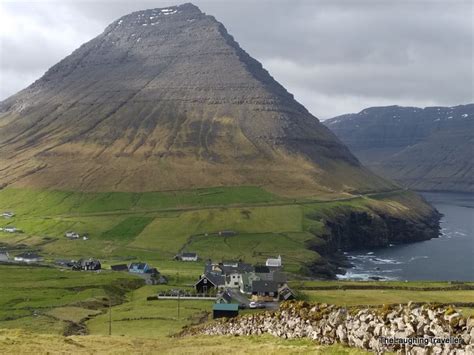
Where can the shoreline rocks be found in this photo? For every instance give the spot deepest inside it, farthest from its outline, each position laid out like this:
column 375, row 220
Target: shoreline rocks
column 426, row 329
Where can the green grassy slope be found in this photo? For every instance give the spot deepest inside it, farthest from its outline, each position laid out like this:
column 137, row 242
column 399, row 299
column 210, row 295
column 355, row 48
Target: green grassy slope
column 43, row 299
column 155, row 226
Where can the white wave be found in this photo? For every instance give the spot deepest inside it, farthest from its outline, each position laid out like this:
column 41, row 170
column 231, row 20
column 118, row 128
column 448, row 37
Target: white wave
column 363, row 276
column 380, row 261
column 413, row 258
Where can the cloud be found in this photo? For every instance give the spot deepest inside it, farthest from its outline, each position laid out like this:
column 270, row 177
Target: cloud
column 334, row 56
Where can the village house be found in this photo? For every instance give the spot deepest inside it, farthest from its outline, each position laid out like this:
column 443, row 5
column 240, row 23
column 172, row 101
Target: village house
column 261, row 273
column 10, row 229
column 264, row 291
column 72, row 235
column 87, row 264
column 156, row 279
column 4, row 256
column 232, row 272
column 260, row 282
column 8, row 214
column 224, row 297
column 245, row 285
column 187, row 257
column 285, row 293
column 210, row 281
column 153, row 277
column 28, row 257
column 274, row 262
column 65, row 262
column 138, row 268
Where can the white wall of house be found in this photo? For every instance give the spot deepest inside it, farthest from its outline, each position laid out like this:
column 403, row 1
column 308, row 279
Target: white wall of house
column 233, row 280
column 189, row 258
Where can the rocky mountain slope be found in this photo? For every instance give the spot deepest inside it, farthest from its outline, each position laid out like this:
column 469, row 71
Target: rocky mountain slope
column 424, row 149
column 166, row 99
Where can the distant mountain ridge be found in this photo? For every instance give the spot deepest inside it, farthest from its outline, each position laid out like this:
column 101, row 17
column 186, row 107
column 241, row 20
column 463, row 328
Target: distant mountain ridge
column 428, row 148
column 166, row 99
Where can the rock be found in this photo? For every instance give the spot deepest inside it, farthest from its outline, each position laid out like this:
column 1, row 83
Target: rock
column 362, row 330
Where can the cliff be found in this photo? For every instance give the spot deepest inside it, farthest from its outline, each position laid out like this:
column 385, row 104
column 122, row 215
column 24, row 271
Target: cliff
column 372, row 225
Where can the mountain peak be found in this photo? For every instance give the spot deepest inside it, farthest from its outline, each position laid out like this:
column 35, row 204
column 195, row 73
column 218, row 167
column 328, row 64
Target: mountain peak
column 166, row 99
column 151, row 17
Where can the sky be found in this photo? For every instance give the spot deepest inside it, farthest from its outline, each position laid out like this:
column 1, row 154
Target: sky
column 335, row 56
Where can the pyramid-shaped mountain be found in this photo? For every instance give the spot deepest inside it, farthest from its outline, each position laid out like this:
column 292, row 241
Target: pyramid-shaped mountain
column 166, row 99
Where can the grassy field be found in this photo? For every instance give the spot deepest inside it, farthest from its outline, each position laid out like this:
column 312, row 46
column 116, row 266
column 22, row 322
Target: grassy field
column 373, row 293
column 43, row 299
column 380, row 297
column 155, row 226
column 21, row 342
column 42, row 303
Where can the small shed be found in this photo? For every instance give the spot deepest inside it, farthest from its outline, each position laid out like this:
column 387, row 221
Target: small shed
column 228, row 310
column 4, row 256
column 11, row 229
column 226, row 233
column 189, row 257
column 119, row 267
column 8, row 214
column 28, row 257
column 285, row 293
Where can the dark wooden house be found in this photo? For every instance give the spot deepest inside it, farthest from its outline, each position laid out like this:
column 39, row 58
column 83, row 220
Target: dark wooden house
column 209, row 282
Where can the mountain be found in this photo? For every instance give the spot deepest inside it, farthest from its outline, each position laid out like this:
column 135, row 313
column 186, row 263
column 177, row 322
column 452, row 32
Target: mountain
column 166, row 99
column 428, row 148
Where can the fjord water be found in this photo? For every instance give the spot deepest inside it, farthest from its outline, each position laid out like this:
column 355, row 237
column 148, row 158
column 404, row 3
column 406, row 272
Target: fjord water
column 449, row 257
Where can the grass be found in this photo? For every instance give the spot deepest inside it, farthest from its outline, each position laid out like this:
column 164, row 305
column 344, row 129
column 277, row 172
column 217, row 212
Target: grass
column 39, row 301
column 127, row 229
column 72, row 314
column 155, row 226
column 50, row 202
column 21, row 342
column 40, row 298
column 380, row 297
column 306, row 284
column 141, row 318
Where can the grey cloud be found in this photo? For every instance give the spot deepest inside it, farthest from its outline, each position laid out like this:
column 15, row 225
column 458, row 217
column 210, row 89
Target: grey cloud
column 335, row 56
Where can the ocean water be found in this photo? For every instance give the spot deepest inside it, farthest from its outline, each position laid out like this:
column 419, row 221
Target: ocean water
column 449, row 257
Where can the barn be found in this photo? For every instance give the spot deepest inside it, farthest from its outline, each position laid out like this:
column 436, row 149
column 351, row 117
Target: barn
column 228, row 310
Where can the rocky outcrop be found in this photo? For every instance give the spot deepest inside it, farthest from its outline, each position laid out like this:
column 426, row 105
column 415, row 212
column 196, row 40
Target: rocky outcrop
column 354, row 229
column 359, row 230
column 423, row 329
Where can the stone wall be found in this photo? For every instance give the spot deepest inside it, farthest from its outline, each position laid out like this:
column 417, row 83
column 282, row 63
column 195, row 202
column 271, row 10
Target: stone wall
column 361, row 328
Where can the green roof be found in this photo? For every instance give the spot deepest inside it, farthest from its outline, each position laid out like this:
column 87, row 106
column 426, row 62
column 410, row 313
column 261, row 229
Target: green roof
column 225, row 307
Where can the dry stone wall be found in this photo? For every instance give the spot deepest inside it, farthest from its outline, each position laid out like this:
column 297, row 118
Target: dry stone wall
column 426, row 329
